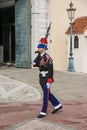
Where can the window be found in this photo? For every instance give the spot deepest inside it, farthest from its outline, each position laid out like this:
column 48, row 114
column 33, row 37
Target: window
column 76, row 42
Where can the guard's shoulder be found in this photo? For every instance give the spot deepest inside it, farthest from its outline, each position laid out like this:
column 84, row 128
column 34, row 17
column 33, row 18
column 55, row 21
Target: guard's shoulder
column 48, row 57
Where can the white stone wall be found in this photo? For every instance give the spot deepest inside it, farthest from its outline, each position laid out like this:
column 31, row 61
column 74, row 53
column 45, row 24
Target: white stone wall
column 85, row 55
column 79, row 54
column 39, row 21
column 85, row 33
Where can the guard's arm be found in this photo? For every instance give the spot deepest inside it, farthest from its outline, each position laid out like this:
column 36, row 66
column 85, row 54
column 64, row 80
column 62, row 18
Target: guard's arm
column 50, row 71
column 36, row 61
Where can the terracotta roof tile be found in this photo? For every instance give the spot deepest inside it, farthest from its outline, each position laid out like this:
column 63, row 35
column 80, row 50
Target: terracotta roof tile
column 78, row 26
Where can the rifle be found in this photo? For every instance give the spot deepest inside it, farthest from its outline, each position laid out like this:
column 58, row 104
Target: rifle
column 48, row 29
column 47, row 33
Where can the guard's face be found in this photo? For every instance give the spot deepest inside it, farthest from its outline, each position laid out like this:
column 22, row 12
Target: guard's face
column 41, row 50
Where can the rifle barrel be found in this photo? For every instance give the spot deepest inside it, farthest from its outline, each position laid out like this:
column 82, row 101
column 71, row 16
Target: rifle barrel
column 48, row 29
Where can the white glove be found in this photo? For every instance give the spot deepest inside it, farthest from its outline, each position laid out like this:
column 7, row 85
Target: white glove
column 34, row 63
column 48, row 85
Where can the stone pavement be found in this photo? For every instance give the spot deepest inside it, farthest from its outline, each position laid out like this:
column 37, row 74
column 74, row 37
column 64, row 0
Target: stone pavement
column 15, row 91
column 21, row 98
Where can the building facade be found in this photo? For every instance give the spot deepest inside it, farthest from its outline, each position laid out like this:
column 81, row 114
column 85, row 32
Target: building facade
column 22, row 24
column 60, row 23
column 79, row 41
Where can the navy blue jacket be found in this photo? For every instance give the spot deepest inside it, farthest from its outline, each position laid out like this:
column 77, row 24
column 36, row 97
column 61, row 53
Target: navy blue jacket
column 45, row 64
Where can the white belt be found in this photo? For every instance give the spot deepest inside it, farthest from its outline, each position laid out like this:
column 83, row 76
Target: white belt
column 44, row 73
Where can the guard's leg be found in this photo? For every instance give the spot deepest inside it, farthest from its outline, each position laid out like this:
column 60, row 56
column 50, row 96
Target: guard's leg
column 57, row 105
column 45, row 101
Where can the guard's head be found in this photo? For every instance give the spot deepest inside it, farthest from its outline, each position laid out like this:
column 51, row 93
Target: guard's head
column 43, row 43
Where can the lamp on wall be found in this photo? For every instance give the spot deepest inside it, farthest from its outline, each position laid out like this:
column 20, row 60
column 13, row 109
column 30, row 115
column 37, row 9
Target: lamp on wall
column 71, row 15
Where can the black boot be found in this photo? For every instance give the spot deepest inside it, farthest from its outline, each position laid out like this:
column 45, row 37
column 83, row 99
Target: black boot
column 55, row 110
column 41, row 116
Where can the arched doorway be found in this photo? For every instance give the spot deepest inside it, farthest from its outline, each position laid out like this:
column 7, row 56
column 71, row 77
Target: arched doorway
column 7, row 34
column 15, row 32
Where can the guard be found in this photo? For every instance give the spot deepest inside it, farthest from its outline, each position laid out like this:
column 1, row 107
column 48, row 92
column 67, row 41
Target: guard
column 45, row 64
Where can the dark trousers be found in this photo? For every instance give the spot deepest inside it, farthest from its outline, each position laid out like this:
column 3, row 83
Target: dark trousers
column 48, row 96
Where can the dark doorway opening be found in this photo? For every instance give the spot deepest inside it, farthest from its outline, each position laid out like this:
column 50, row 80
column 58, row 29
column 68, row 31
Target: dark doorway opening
column 7, row 34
